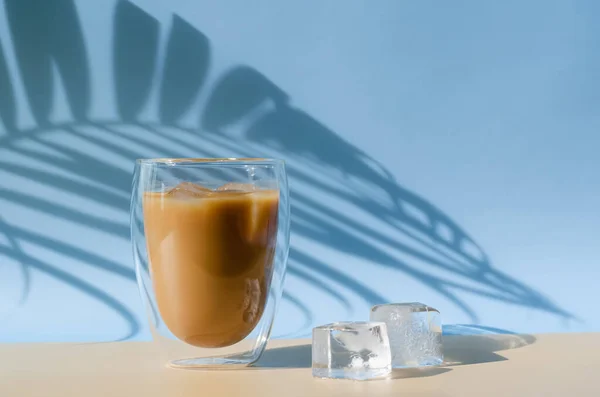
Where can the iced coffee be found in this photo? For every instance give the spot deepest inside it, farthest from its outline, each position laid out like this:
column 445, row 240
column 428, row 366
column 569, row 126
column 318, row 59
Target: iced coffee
column 211, row 254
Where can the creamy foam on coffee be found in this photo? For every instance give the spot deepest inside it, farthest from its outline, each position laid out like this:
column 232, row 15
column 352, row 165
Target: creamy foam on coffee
column 211, row 254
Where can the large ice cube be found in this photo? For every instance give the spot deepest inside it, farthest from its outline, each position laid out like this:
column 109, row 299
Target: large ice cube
column 415, row 333
column 352, row 350
column 189, row 190
column 235, row 187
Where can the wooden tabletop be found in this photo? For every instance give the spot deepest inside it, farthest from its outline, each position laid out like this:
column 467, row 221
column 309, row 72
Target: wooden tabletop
column 482, row 365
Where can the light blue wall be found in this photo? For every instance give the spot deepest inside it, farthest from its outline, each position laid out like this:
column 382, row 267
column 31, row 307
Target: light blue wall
column 444, row 152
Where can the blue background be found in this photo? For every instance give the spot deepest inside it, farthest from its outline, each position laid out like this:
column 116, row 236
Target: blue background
column 437, row 152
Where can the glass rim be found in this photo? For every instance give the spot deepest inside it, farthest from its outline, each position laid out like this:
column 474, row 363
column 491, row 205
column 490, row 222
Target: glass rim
column 210, row 161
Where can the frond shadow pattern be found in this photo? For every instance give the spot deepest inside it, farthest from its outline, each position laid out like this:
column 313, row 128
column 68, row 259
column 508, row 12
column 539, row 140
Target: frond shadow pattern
column 245, row 114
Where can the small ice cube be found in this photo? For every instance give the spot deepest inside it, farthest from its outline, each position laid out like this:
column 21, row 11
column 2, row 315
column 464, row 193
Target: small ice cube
column 189, row 189
column 351, row 350
column 415, row 332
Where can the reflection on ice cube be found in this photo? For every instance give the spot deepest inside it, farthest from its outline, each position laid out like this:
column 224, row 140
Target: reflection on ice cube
column 351, row 350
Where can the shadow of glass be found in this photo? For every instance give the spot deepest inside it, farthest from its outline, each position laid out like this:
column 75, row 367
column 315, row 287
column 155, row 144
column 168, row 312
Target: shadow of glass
column 479, row 349
column 405, row 373
column 299, row 356
column 458, row 350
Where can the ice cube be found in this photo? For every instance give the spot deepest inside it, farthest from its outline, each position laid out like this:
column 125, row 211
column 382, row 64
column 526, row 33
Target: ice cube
column 189, row 189
column 235, row 187
column 415, row 333
column 351, row 350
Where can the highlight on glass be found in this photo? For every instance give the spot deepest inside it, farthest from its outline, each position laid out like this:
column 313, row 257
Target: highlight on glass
column 210, row 243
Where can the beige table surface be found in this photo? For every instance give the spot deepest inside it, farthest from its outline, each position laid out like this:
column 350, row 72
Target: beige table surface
column 500, row 365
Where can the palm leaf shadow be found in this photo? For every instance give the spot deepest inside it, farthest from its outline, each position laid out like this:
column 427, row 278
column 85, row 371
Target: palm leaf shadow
column 29, row 32
column 287, row 130
column 136, row 35
column 8, row 109
column 49, row 33
column 186, row 66
column 323, row 160
column 16, row 253
column 131, row 96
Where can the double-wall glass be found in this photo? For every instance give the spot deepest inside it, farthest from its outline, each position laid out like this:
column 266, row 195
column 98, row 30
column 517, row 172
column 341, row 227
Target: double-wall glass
column 210, row 243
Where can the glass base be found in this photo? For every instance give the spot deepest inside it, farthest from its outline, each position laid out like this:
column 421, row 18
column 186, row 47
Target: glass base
column 228, row 362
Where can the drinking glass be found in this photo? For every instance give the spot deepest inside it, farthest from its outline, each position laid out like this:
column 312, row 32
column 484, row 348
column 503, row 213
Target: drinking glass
column 210, row 243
